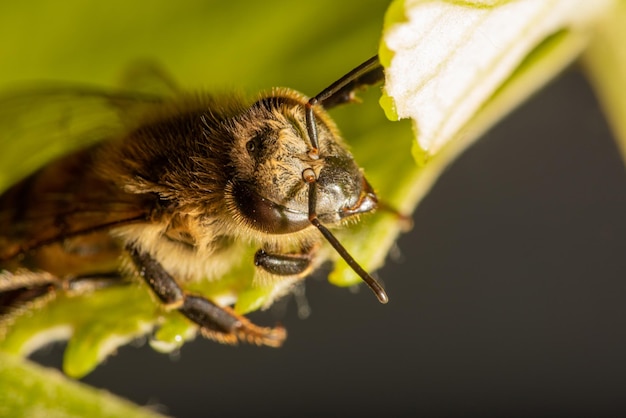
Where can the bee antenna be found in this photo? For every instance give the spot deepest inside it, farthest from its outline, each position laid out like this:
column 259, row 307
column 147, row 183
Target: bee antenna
column 309, row 177
column 341, row 91
column 311, row 128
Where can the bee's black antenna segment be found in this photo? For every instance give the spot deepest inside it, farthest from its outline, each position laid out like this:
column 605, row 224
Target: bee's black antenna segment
column 369, row 280
column 341, row 91
column 309, row 177
column 311, row 128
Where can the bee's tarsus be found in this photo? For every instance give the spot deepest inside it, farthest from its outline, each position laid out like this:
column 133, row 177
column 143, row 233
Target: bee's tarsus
column 216, row 322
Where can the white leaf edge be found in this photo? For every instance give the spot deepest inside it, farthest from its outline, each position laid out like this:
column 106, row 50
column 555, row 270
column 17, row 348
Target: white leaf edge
column 448, row 58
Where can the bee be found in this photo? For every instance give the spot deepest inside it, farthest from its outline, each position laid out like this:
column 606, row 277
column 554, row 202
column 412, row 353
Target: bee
column 173, row 197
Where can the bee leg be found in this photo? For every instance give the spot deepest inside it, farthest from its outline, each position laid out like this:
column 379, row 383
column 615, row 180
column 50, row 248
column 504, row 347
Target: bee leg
column 406, row 221
column 27, row 287
column 226, row 326
column 91, row 282
column 283, row 264
column 219, row 323
column 343, row 90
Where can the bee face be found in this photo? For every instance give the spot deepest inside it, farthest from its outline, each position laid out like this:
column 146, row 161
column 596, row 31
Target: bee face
column 271, row 153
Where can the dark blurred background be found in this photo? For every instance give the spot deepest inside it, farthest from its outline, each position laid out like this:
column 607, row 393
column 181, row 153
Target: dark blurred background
column 508, row 298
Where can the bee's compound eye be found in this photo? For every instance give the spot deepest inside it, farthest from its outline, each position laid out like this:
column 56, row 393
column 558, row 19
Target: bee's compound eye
column 264, row 215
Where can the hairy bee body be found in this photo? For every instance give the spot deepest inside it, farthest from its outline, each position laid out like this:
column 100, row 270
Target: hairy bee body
column 168, row 178
column 179, row 193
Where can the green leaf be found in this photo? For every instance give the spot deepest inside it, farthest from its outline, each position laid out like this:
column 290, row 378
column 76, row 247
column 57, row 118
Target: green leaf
column 605, row 62
column 30, row 391
column 107, row 319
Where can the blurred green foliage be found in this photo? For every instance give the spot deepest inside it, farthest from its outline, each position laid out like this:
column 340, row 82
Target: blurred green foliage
column 213, row 46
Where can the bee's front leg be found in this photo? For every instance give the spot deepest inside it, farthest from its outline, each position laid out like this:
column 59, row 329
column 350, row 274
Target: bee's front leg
column 284, row 264
column 219, row 323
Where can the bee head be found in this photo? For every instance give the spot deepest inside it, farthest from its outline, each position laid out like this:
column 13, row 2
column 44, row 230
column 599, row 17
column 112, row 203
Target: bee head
column 292, row 171
column 273, row 153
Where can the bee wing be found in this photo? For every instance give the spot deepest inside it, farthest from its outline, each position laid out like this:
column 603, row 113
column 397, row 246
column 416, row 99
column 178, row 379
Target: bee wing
column 64, row 200
column 149, row 76
column 38, row 125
